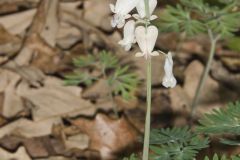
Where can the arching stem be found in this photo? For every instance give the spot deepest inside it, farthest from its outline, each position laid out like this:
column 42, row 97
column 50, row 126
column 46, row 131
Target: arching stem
column 206, row 72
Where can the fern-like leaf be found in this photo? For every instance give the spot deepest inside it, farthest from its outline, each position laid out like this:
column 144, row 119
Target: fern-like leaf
column 175, row 144
column 123, row 82
column 217, row 157
column 131, row 157
column 222, row 121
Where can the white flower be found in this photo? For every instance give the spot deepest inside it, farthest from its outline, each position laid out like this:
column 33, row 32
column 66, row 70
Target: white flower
column 128, row 35
column 169, row 79
column 141, row 9
column 121, row 10
column 146, row 39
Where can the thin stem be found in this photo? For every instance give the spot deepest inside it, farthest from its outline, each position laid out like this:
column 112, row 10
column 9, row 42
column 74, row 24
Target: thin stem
column 205, row 73
column 146, row 2
column 149, row 88
column 148, row 114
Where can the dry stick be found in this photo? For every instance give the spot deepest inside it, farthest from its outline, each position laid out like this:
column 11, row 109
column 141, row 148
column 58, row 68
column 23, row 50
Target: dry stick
column 206, row 71
column 149, row 85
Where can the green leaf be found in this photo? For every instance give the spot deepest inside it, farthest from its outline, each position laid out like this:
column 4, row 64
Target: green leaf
column 175, row 144
column 178, row 19
column 217, row 157
column 197, row 16
column 233, row 43
column 132, row 157
column 221, row 121
column 79, row 77
column 108, row 60
column 123, row 82
column 84, row 61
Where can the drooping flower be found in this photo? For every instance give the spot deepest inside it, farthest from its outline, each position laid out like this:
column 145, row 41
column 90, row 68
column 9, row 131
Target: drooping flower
column 141, row 9
column 128, row 35
column 169, row 79
column 121, row 10
column 146, row 39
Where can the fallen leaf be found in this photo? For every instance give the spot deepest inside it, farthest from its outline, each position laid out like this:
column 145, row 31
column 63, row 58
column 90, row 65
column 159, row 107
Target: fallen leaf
column 54, row 158
column 27, row 128
column 55, row 100
column 79, row 141
column 20, row 154
column 108, row 136
column 12, row 103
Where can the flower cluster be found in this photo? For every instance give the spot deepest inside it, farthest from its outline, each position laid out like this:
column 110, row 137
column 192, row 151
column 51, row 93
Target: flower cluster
column 141, row 31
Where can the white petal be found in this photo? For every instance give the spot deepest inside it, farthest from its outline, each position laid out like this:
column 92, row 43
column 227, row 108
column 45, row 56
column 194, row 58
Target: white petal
column 169, row 80
column 128, row 30
column 136, row 16
column 127, row 47
column 141, row 7
column 139, row 54
column 152, row 6
column 121, row 23
column 140, row 34
column 127, row 16
column 112, row 7
column 113, row 23
column 125, row 6
column 155, row 53
column 152, row 34
column 128, row 35
column 118, row 20
column 153, row 17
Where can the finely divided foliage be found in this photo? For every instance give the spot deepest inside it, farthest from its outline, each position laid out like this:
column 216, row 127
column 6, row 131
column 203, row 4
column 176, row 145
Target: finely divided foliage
column 120, row 79
column 197, row 16
column 175, row 144
column 216, row 157
column 222, row 121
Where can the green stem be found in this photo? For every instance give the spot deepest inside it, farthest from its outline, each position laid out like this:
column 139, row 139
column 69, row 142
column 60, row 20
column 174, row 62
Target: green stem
column 205, row 73
column 149, row 88
column 146, row 2
column 148, row 114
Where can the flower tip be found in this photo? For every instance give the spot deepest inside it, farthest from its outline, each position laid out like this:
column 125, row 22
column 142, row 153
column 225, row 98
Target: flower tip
column 139, row 54
column 153, row 17
column 112, row 7
column 169, row 82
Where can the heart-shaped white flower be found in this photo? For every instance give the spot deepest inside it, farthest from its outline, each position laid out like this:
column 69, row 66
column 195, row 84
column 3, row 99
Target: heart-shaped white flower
column 146, row 39
column 169, row 79
column 141, row 9
column 121, row 10
column 128, row 35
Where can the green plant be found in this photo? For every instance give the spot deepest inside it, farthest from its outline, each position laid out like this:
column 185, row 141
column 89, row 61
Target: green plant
column 216, row 157
column 193, row 17
column 91, row 68
column 175, row 144
column 131, row 157
column 223, row 121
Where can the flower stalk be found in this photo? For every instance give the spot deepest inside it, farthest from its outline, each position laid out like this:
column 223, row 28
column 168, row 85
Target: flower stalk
column 205, row 72
column 148, row 113
column 149, row 96
column 145, row 34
